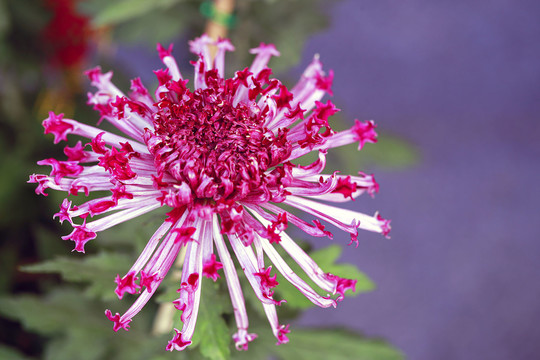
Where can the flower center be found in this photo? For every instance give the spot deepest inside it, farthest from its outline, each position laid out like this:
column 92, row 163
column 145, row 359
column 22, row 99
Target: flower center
column 221, row 151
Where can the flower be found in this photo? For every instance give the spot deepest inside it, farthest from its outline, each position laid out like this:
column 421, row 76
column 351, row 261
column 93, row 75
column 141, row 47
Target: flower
column 66, row 35
column 221, row 157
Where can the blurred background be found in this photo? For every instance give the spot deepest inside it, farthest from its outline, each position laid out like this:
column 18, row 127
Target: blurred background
column 460, row 278
column 454, row 89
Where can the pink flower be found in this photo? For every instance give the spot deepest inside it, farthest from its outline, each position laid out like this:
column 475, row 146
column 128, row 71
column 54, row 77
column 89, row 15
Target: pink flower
column 221, row 157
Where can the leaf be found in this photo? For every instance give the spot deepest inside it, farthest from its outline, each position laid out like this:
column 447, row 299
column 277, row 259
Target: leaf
column 79, row 330
column 212, row 332
column 260, row 348
column 7, row 353
column 166, row 24
column 257, row 22
column 335, row 344
column 326, row 259
column 390, row 151
column 97, row 270
column 12, row 175
column 115, row 12
column 8, row 259
column 52, row 314
column 4, row 20
column 77, row 344
column 133, row 234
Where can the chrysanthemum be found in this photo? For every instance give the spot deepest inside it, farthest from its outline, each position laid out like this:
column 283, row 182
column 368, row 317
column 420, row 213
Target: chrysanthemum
column 221, row 157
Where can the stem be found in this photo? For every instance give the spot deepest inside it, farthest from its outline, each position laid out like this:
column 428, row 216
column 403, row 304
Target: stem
column 216, row 30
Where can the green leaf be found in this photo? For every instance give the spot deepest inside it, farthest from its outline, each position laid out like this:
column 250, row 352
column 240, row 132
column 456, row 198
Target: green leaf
column 260, row 348
column 212, row 332
column 263, row 21
column 390, row 152
column 166, row 24
column 8, row 260
column 335, row 344
column 133, row 235
column 115, row 12
column 78, row 344
column 97, row 270
column 55, row 313
column 4, row 19
column 79, row 330
column 7, row 353
column 326, row 259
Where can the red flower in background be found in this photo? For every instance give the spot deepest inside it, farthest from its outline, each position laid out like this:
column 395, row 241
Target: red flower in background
column 66, row 35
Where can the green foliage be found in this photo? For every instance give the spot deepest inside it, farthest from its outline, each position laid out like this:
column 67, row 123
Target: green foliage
column 264, row 21
column 390, row 151
column 7, row 353
column 315, row 344
column 144, row 22
column 8, row 260
column 335, row 344
column 256, row 21
column 212, row 332
column 79, row 334
column 326, row 259
column 59, row 315
column 96, row 270
column 50, row 314
column 114, row 13
column 4, row 19
column 78, row 328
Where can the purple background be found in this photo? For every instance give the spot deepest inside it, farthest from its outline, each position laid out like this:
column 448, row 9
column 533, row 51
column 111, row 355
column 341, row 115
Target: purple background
column 460, row 80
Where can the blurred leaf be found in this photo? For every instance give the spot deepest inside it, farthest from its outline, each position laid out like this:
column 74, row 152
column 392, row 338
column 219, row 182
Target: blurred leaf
column 212, row 332
column 389, row 152
column 130, row 20
column 12, row 175
column 256, row 21
column 52, row 314
column 335, row 344
column 77, row 344
column 170, row 284
column 166, row 24
column 262, row 21
column 47, row 241
column 4, row 19
column 8, row 259
column 113, row 13
column 326, row 259
column 7, row 353
column 97, row 270
column 263, row 346
column 79, row 330
column 133, row 234
column 31, row 15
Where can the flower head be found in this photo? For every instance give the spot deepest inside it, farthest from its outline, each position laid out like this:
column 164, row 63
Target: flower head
column 221, row 156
